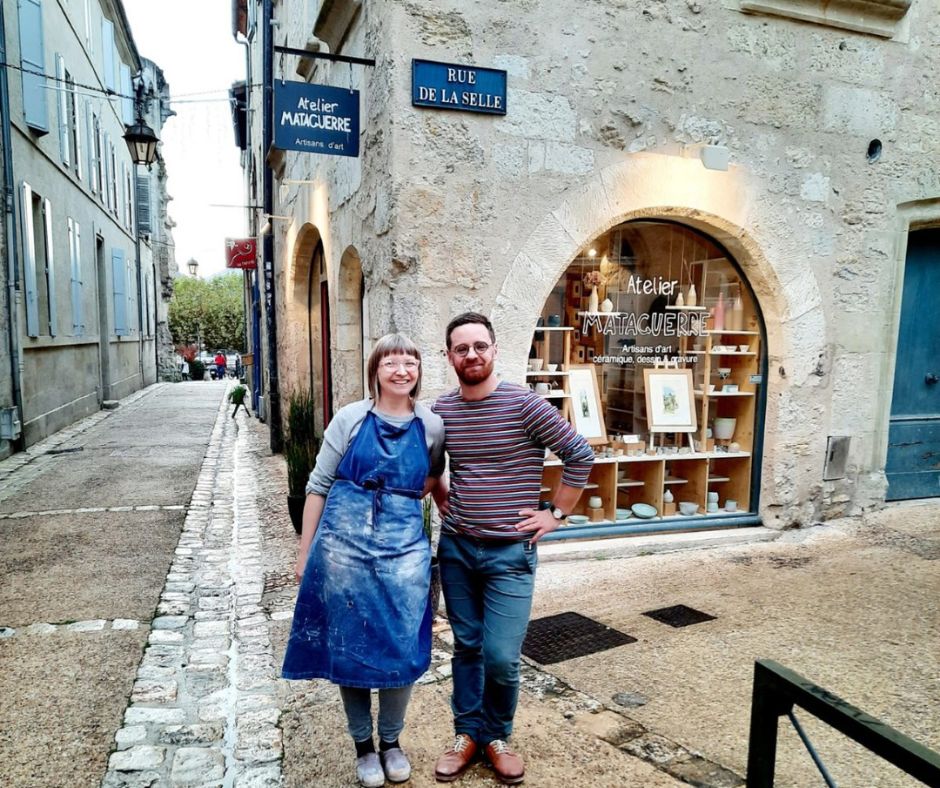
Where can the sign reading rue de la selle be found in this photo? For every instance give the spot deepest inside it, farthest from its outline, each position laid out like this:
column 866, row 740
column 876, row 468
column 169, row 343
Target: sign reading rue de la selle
column 316, row 118
column 464, row 88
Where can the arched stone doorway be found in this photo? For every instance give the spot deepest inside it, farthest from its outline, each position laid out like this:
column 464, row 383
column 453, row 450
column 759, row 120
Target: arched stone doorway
column 348, row 383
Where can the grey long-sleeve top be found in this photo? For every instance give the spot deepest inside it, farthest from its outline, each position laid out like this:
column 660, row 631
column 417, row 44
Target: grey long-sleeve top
column 344, row 426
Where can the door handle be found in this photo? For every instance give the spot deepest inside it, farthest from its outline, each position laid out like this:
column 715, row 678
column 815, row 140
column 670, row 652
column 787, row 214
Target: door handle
column 930, row 379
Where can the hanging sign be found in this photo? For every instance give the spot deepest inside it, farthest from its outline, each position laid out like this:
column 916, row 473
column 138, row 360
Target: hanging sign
column 465, row 88
column 316, row 118
column 241, row 253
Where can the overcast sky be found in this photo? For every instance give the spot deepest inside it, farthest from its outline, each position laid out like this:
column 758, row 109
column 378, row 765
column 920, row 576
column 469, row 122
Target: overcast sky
column 191, row 40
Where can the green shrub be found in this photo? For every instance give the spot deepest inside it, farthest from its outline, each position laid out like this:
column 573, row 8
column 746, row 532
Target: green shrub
column 301, row 442
column 237, row 395
column 197, row 370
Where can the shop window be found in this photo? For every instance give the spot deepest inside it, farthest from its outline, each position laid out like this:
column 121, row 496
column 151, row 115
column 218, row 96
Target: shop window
column 651, row 345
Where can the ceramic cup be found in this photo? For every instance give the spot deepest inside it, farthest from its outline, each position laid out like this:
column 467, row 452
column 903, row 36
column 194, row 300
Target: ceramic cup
column 731, row 506
column 713, row 497
column 743, row 348
column 712, row 507
column 688, row 508
column 536, row 364
column 711, row 388
column 541, row 388
column 595, row 502
column 553, row 320
column 551, row 367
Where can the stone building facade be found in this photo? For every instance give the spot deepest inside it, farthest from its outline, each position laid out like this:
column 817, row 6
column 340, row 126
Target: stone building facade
column 802, row 145
column 85, row 296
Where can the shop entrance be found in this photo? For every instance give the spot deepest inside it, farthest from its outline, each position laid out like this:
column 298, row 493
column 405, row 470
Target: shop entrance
column 913, row 464
column 318, row 333
column 653, row 345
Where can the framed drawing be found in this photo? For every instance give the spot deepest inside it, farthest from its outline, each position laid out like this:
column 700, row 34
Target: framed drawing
column 586, row 414
column 670, row 400
column 576, row 288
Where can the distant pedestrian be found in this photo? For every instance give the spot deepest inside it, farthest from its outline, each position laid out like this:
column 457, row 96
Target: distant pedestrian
column 497, row 433
column 220, row 365
column 184, row 369
column 363, row 613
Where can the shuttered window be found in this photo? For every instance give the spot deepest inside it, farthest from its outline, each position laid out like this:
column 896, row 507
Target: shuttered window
column 50, row 268
column 144, row 218
column 75, row 125
column 127, row 89
column 89, row 27
column 29, row 260
column 75, row 264
column 62, row 96
column 33, row 62
column 119, row 290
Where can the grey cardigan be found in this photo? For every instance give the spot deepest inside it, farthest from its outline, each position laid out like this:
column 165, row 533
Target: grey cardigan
column 344, row 426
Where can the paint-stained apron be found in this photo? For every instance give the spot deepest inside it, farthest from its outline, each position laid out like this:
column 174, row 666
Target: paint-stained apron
column 363, row 615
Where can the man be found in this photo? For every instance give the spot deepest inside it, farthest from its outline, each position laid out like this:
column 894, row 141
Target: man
column 495, row 435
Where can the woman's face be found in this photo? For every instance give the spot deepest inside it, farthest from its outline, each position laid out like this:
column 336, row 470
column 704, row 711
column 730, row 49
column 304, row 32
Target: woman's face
column 398, row 374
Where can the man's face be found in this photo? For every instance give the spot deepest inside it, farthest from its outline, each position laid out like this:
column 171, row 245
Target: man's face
column 476, row 366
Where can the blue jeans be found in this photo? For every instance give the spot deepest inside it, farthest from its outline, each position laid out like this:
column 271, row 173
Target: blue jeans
column 488, row 590
column 393, row 703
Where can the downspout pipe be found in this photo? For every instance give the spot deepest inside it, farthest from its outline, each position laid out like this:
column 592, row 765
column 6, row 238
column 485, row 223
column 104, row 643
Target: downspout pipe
column 273, row 404
column 13, row 246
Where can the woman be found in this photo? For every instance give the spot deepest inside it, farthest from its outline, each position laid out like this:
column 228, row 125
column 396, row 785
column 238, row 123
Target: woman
column 363, row 618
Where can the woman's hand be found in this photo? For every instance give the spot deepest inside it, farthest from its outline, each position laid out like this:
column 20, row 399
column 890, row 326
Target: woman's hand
column 300, row 564
column 440, row 492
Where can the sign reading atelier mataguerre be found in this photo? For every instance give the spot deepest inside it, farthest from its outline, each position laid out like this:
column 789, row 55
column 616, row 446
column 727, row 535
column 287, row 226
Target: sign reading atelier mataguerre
column 316, row 118
column 465, row 88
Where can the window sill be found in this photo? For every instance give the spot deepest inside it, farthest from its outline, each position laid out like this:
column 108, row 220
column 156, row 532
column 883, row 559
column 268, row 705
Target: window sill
column 884, row 18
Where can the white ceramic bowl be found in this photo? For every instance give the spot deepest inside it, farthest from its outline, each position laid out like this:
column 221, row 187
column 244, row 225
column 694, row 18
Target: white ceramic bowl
column 551, row 367
column 744, row 348
column 536, row 364
column 688, row 508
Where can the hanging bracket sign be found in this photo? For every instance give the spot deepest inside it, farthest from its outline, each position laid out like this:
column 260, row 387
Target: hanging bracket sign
column 316, row 118
column 241, row 253
column 450, row 86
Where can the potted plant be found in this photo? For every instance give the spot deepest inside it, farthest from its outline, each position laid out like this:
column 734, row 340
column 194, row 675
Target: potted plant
column 301, row 445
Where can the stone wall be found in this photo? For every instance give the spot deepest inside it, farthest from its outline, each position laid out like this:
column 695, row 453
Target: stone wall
column 609, row 105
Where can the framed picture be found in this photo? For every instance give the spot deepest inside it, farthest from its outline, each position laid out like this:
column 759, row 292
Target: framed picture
column 670, row 400
column 586, row 415
column 576, row 288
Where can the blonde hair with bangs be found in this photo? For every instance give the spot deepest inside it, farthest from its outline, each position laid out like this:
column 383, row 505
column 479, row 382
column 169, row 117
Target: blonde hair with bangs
column 391, row 345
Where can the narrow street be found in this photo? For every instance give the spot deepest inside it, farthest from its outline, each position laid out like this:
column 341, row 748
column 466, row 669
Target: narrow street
column 147, row 594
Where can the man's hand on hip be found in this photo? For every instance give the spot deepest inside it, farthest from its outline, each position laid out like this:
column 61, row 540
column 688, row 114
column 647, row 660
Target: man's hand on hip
column 538, row 523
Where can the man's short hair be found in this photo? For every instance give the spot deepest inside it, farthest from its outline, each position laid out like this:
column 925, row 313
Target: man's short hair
column 468, row 318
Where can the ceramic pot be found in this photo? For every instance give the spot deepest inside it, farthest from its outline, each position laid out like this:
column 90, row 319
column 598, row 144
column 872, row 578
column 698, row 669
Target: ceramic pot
column 595, row 502
column 607, row 305
column 553, row 320
column 724, row 428
column 592, row 300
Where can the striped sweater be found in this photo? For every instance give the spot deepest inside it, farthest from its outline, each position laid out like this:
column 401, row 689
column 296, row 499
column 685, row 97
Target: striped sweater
column 497, row 447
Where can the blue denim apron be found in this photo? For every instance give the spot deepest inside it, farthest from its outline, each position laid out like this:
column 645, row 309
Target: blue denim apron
column 363, row 615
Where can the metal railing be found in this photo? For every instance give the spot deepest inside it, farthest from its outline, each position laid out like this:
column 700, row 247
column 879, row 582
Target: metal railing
column 777, row 690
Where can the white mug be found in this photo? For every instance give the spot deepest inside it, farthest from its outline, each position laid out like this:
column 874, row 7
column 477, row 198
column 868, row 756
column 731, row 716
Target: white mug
column 731, row 506
column 595, row 502
column 541, row 388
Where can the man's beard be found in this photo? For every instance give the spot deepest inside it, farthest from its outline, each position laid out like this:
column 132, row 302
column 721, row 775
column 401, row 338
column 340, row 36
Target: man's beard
column 474, row 374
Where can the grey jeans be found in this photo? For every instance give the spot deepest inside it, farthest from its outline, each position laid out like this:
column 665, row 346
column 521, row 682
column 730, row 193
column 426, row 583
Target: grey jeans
column 393, row 703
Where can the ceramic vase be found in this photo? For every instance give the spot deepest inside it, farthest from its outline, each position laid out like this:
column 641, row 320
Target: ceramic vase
column 692, row 300
column 592, row 300
column 724, row 428
column 718, row 323
column 737, row 315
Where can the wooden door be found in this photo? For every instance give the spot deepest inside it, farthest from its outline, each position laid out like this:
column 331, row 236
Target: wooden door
column 913, row 464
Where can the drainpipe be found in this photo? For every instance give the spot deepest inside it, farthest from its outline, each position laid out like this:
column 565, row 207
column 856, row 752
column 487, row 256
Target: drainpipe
column 9, row 208
column 273, row 404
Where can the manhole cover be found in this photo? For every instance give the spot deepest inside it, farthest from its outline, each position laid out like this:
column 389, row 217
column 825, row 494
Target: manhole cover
column 569, row 635
column 679, row 615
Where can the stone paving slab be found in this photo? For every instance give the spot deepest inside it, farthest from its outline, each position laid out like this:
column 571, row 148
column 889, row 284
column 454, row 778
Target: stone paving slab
column 53, row 569
column 62, row 696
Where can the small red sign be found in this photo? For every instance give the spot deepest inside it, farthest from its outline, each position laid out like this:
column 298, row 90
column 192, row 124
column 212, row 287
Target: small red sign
column 241, row 253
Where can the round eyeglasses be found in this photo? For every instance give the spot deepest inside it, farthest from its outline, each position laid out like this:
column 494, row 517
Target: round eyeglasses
column 478, row 347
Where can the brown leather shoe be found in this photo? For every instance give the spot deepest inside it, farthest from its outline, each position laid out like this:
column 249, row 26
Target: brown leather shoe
column 456, row 759
column 508, row 766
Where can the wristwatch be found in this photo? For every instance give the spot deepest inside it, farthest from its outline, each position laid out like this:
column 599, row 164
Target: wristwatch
column 558, row 514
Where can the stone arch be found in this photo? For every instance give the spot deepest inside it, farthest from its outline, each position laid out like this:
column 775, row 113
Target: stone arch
column 717, row 203
column 348, row 382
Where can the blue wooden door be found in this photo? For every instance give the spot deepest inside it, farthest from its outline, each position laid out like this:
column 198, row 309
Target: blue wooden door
column 913, row 466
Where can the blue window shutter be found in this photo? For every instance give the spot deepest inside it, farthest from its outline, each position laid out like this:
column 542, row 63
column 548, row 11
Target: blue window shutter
column 63, row 101
column 50, row 266
column 131, row 299
column 75, row 260
column 118, row 290
column 32, row 58
column 127, row 103
column 144, row 220
column 107, row 53
column 29, row 260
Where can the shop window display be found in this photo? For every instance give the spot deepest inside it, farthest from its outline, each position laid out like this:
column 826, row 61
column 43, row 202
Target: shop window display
column 670, row 337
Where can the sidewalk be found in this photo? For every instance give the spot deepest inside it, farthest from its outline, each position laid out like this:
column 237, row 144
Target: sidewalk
column 97, row 688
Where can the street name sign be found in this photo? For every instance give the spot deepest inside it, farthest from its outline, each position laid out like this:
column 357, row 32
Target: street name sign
column 463, row 88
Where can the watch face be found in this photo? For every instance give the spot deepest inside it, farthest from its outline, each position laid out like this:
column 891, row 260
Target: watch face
column 558, row 514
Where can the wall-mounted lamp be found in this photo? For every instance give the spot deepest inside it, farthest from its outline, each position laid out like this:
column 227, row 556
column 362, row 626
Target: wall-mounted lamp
column 140, row 138
column 265, row 228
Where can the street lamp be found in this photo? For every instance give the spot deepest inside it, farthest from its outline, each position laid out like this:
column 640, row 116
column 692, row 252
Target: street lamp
column 193, row 266
column 140, row 138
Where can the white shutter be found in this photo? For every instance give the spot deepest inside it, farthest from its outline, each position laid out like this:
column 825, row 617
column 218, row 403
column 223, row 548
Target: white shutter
column 106, row 171
column 89, row 38
column 107, row 53
column 63, row 101
column 127, row 103
column 29, row 260
column 118, row 288
column 75, row 265
column 50, row 267
column 77, row 115
column 33, row 61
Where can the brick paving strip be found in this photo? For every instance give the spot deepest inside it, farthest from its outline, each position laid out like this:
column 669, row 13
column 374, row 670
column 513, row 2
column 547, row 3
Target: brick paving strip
column 204, row 709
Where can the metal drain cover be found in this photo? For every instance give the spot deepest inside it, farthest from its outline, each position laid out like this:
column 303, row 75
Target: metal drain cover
column 679, row 615
column 569, row 635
